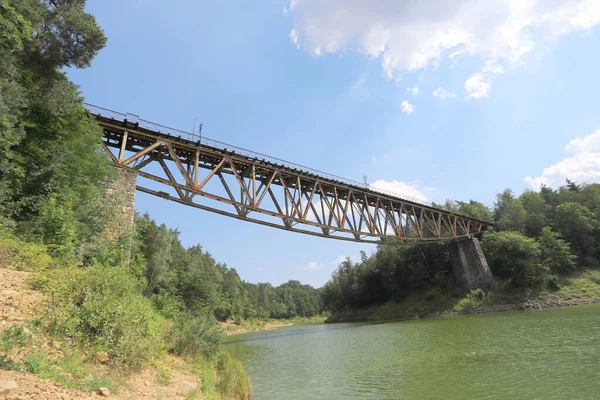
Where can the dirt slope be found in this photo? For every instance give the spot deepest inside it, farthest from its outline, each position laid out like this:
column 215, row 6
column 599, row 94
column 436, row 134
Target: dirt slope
column 19, row 303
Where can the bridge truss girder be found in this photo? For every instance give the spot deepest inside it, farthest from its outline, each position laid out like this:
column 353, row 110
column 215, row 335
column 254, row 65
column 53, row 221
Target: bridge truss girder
column 274, row 195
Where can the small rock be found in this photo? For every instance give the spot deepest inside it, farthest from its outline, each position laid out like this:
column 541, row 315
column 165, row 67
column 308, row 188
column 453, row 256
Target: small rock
column 104, row 392
column 6, row 386
column 148, row 383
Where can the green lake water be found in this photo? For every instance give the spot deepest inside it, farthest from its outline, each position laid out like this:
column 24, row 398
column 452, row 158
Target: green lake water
column 549, row 354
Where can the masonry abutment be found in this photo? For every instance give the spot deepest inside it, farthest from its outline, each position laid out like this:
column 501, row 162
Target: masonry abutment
column 122, row 190
column 469, row 264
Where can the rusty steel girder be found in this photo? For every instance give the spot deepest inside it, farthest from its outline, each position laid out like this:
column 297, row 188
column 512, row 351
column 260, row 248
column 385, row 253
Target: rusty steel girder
column 224, row 179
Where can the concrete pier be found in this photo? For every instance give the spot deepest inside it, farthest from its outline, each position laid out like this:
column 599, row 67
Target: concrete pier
column 470, row 267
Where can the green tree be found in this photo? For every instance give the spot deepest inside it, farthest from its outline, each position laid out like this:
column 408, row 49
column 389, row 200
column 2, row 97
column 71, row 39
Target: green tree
column 555, row 252
column 475, row 209
column 509, row 213
column 536, row 212
column 576, row 224
column 514, row 256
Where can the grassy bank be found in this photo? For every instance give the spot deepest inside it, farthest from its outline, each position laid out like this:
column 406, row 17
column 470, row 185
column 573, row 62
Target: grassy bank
column 255, row 325
column 581, row 288
column 89, row 328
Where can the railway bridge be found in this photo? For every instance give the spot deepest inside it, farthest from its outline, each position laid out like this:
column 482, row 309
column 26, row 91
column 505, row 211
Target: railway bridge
column 213, row 176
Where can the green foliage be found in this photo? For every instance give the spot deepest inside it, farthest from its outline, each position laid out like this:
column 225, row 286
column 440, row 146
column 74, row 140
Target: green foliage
column 555, row 252
column 168, row 305
column 15, row 336
column 8, row 364
column 196, row 336
column 512, row 255
column 471, row 301
column 232, row 381
column 15, row 31
column 509, row 213
column 576, row 224
column 190, row 279
column 475, row 209
column 104, row 308
column 51, row 168
column 25, row 255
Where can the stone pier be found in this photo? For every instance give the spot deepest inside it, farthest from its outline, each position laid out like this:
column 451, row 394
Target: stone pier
column 470, row 267
column 122, row 191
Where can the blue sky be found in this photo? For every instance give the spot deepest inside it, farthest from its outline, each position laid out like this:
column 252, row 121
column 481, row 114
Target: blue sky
column 506, row 96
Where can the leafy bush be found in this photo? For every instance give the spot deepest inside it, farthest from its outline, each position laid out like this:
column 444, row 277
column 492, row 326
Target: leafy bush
column 167, row 304
column 232, row 381
column 193, row 336
column 555, row 252
column 25, row 255
column 9, row 364
column 105, row 308
column 13, row 337
column 512, row 255
column 473, row 300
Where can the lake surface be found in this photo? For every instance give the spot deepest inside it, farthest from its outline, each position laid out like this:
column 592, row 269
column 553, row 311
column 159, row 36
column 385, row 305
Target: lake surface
column 549, row 354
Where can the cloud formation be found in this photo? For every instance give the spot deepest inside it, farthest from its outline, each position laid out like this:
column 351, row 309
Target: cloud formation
column 409, row 36
column 407, row 108
column 582, row 167
column 442, row 93
column 312, row 265
column 414, row 90
column 407, row 190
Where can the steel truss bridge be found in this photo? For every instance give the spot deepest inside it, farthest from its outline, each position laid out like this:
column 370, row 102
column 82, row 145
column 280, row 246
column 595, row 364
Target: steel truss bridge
column 224, row 179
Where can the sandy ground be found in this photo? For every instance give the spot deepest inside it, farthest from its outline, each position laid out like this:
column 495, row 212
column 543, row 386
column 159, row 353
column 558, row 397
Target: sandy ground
column 18, row 303
column 232, row 329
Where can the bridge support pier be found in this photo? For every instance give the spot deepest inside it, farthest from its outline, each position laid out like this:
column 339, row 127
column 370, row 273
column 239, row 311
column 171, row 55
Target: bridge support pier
column 122, row 191
column 469, row 265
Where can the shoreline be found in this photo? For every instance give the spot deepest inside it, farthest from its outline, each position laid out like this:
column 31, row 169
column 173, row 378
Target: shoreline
column 258, row 325
column 540, row 303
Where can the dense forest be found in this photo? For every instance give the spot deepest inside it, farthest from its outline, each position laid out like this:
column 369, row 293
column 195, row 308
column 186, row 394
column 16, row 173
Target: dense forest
column 538, row 238
column 191, row 280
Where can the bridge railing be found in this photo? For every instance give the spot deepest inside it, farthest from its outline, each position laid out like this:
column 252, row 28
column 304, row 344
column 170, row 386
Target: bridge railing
column 106, row 113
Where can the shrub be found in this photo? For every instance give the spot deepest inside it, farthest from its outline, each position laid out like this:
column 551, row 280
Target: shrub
column 555, row 252
column 25, row 255
column 9, row 364
column 473, row 300
column 15, row 336
column 512, row 255
column 194, row 336
column 167, row 304
column 104, row 308
column 232, row 381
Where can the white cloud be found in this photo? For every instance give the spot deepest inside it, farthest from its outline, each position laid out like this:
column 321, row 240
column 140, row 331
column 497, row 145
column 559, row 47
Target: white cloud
column 294, row 38
column 407, row 108
column 414, row 90
column 409, row 36
column 587, row 143
column 406, row 190
column 443, row 93
column 477, row 87
column 582, row 167
column 312, row 265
